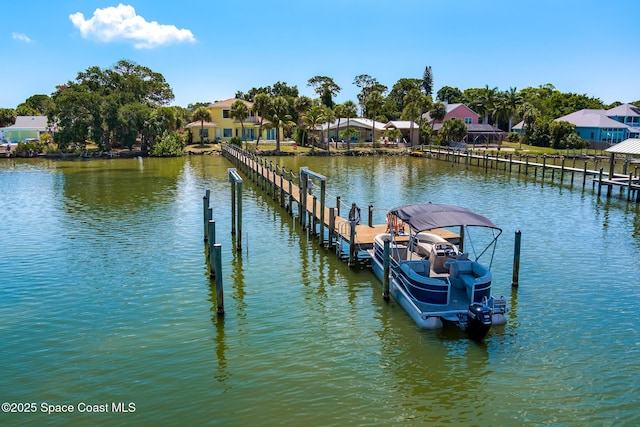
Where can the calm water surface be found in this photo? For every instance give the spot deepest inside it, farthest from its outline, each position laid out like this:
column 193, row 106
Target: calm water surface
column 105, row 299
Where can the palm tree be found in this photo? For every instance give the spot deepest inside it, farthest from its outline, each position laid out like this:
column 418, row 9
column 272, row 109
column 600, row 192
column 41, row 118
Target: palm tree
column 329, row 116
column 339, row 113
column 512, row 100
column 529, row 114
column 203, row 115
column 488, row 100
column 349, row 110
column 374, row 102
column 301, row 105
column 424, row 105
column 261, row 107
column 279, row 117
column 411, row 110
column 239, row 111
column 453, row 130
column 437, row 112
column 313, row 118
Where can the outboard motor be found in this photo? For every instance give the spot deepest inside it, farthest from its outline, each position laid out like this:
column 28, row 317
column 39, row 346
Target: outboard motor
column 479, row 321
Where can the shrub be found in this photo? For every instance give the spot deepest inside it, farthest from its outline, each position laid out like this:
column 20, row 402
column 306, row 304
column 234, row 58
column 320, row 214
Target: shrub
column 236, row 140
column 513, row 137
column 170, row 144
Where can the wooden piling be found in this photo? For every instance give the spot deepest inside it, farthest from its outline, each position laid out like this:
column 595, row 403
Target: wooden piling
column 385, row 271
column 217, row 250
column 352, row 243
column 600, row 182
column 516, row 259
column 205, row 212
column 236, row 202
column 332, row 226
column 212, row 240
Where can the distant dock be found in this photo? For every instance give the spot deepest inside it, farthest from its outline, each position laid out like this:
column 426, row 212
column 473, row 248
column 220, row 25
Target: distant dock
column 627, row 182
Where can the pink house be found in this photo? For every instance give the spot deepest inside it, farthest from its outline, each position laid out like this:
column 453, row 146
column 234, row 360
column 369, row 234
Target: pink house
column 476, row 132
column 458, row 111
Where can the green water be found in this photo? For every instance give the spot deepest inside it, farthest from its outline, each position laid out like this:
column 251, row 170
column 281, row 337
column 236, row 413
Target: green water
column 105, row 300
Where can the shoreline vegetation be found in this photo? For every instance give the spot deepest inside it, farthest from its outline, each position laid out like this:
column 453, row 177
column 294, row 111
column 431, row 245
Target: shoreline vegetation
column 593, row 157
column 291, row 148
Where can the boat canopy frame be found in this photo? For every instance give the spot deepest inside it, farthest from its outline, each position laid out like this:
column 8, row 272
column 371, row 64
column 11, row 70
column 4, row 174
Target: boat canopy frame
column 430, row 216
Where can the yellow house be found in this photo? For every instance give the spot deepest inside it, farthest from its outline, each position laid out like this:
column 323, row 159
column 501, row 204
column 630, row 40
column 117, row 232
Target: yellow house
column 222, row 127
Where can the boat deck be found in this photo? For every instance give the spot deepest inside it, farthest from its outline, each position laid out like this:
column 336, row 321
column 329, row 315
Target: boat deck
column 458, row 300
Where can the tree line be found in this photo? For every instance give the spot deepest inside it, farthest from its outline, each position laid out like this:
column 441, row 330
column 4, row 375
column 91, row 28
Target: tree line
column 127, row 104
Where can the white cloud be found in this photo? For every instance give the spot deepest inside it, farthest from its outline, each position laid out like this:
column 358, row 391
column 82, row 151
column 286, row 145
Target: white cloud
column 21, row 37
column 122, row 23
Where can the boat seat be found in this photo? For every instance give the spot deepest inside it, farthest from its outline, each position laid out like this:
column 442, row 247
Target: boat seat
column 421, row 267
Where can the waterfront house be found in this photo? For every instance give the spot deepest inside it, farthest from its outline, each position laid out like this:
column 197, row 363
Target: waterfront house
column 602, row 127
column 477, row 133
column 405, row 126
column 26, row 128
column 362, row 126
column 222, row 127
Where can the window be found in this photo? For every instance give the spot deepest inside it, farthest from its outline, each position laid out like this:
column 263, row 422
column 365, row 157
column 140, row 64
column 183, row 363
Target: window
column 227, row 133
column 468, row 120
column 225, row 114
column 204, row 133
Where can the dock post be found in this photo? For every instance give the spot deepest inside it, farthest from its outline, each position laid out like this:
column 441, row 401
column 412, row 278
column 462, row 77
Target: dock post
column 282, row 172
column 516, row 260
column 291, row 198
column 323, row 202
column 205, row 212
column 370, row 216
column 562, row 171
column 526, row 167
column 584, row 175
column 612, row 165
column 629, row 188
column 337, row 205
column 269, row 183
column 600, row 182
column 332, row 226
column 233, row 209
column 544, row 165
column 303, row 196
column 236, row 181
column 314, row 214
column 217, row 250
column 210, row 243
column 385, row 271
column 352, row 243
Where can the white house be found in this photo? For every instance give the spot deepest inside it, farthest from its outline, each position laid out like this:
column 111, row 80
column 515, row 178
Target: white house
column 24, row 129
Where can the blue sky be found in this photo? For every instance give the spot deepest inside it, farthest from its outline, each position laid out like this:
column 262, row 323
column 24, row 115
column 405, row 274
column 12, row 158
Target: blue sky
column 207, row 50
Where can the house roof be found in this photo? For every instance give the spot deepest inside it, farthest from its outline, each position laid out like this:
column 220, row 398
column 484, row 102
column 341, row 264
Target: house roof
column 357, row 122
column 628, row 146
column 400, row 124
column 204, row 124
column 588, row 118
column 450, row 108
column 30, row 122
column 624, row 110
column 475, row 128
column 228, row 102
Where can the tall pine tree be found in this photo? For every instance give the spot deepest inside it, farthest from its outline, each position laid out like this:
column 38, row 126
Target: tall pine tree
column 427, row 81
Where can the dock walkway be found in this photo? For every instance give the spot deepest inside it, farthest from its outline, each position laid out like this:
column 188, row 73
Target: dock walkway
column 351, row 239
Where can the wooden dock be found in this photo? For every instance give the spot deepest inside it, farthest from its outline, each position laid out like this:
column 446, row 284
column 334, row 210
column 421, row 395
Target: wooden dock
column 628, row 182
column 350, row 238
